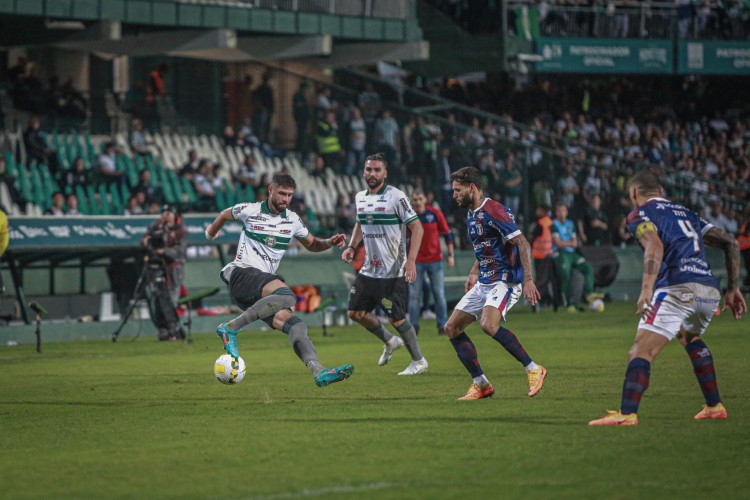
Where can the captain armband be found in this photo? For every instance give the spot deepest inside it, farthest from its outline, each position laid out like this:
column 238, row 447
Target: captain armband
column 643, row 228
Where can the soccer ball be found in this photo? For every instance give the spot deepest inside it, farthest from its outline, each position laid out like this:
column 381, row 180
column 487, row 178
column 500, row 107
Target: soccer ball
column 228, row 371
column 597, row 305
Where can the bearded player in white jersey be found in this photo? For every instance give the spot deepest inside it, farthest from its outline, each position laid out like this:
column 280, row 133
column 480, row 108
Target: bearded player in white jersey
column 268, row 228
column 383, row 214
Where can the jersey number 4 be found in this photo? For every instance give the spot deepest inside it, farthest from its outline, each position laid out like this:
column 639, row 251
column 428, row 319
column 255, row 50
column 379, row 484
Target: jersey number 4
column 687, row 228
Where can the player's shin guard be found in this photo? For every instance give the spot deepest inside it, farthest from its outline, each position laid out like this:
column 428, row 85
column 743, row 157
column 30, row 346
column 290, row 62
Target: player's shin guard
column 636, row 383
column 301, row 343
column 703, row 366
column 467, row 353
column 280, row 299
column 407, row 332
column 507, row 339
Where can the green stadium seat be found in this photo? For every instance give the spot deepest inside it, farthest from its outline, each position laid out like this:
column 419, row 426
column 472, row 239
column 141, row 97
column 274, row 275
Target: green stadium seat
column 189, row 190
column 125, row 194
column 104, row 199
column 116, row 204
column 83, row 201
column 92, row 155
column 93, row 203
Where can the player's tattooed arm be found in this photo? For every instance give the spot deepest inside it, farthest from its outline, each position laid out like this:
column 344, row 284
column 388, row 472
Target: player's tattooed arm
column 718, row 238
column 653, row 254
column 315, row 244
column 524, row 250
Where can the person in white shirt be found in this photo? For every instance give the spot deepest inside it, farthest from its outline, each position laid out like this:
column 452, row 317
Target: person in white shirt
column 268, row 229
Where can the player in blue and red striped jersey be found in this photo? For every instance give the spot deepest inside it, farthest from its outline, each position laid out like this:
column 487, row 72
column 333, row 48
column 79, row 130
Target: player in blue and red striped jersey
column 679, row 294
column 500, row 275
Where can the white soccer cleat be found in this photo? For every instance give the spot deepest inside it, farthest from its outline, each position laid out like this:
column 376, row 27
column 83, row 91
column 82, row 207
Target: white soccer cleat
column 394, row 344
column 416, row 367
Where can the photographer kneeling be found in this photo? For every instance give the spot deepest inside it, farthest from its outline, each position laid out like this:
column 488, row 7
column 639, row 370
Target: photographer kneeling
column 166, row 242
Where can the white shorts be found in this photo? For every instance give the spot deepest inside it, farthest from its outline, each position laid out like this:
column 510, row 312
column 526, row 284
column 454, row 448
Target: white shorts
column 689, row 306
column 500, row 295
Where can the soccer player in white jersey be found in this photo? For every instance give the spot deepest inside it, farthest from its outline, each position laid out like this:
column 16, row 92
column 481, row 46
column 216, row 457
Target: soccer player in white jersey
column 679, row 294
column 268, row 228
column 383, row 214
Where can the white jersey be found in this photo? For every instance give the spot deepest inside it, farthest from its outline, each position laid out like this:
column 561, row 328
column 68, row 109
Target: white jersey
column 383, row 217
column 265, row 237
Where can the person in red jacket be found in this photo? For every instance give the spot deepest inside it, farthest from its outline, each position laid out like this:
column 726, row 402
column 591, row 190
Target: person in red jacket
column 430, row 261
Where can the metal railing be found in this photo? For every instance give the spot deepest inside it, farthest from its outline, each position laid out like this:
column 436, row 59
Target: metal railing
column 382, row 9
column 614, row 19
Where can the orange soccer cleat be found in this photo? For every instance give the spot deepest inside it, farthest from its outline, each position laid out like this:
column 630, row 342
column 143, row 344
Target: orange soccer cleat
column 478, row 392
column 536, row 380
column 717, row 412
column 615, row 418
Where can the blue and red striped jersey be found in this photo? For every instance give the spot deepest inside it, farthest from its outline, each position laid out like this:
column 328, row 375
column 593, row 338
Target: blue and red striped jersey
column 490, row 227
column 681, row 231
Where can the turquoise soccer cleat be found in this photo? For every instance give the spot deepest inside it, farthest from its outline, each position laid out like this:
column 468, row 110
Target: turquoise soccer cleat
column 229, row 337
column 332, row 375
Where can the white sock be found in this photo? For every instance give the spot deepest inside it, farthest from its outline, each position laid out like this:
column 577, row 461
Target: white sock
column 481, row 381
column 531, row 366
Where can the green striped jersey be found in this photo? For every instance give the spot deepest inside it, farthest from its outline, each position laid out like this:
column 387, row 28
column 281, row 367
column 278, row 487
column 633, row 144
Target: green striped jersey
column 265, row 236
column 383, row 217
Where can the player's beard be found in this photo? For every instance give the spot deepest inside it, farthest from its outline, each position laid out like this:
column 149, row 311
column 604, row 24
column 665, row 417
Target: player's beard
column 464, row 200
column 373, row 182
column 275, row 207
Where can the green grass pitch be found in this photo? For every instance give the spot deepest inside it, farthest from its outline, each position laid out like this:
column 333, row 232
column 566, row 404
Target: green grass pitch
column 141, row 419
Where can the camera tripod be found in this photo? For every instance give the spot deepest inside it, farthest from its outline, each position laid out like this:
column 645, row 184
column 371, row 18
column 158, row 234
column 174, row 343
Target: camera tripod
column 153, row 270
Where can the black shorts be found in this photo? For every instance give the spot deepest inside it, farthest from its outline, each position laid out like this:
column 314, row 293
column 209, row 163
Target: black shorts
column 246, row 285
column 391, row 293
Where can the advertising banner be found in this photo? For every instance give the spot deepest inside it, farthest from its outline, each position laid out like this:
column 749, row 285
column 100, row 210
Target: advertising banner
column 713, row 58
column 582, row 55
column 90, row 233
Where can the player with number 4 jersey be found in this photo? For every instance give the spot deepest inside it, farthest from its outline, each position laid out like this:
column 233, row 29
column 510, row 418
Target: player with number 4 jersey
column 679, row 294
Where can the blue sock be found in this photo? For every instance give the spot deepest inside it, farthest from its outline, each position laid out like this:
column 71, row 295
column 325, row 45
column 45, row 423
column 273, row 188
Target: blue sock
column 467, row 353
column 636, row 383
column 703, row 366
column 507, row 339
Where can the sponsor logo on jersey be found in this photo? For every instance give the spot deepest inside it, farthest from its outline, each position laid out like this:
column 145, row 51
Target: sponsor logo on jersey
column 476, row 229
column 265, row 257
column 271, row 241
column 405, row 205
column 379, row 209
column 370, row 219
column 375, row 235
column 482, row 244
column 285, row 231
column 376, row 262
column 259, row 218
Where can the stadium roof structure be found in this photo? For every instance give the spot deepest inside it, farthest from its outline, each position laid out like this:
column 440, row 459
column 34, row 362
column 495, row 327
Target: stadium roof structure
column 224, row 45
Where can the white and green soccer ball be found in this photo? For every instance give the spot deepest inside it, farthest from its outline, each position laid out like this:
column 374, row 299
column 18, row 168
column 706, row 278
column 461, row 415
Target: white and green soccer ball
column 597, row 305
column 229, row 371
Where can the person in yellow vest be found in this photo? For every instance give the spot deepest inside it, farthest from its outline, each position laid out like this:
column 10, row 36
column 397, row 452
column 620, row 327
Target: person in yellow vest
column 743, row 238
column 327, row 138
column 4, row 240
